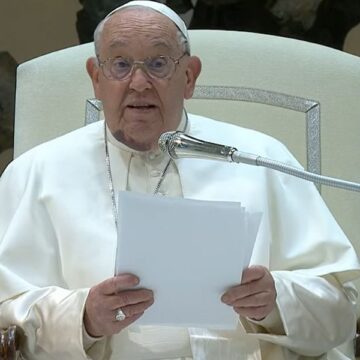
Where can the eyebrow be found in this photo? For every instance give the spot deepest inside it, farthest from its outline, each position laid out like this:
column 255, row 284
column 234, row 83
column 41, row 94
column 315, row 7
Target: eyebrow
column 158, row 43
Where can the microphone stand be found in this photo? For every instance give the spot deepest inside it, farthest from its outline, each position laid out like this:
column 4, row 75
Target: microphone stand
column 178, row 145
column 241, row 157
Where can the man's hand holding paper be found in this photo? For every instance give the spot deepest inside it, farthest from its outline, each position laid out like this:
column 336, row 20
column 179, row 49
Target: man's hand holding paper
column 179, row 252
column 106, row 298
column 255, row 297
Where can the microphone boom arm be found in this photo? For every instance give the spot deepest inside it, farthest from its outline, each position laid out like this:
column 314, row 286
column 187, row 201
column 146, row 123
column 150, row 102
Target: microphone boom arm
column 178, row 145
column 241, row 157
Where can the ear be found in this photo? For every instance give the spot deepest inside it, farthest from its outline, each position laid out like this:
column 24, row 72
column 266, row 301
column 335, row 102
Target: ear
column 192, row 73
column 93, row 70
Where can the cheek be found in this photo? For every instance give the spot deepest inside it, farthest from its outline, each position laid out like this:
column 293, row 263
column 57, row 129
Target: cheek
column 112, row 100
column 174, row 96
column 111, row 92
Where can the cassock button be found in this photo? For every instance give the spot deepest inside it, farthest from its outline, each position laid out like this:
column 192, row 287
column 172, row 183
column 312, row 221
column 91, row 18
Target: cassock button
column 152, row 155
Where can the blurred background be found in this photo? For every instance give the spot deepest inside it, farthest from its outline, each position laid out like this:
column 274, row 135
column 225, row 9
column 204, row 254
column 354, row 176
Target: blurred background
column 32, row 28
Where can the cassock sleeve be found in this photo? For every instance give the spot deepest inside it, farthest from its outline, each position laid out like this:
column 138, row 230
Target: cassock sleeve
column 33, row 293
column 312, row 263
column 302, row 321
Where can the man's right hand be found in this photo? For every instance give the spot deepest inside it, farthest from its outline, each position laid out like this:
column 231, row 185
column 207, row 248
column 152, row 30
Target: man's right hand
column 107, row 297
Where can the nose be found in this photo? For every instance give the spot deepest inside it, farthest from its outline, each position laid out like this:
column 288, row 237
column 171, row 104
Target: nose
column 139, row 80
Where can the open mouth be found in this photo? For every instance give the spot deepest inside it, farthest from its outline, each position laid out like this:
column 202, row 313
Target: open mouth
column 142, row 107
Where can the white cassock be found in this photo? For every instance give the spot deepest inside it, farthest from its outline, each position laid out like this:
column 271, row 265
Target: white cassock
column 58, row 238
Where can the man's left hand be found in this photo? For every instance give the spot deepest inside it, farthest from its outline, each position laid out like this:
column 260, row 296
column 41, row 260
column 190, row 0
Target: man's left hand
column 255, row 297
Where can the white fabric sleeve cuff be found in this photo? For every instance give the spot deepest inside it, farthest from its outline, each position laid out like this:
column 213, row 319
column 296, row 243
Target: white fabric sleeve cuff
column 272, row 323
column 89, row 340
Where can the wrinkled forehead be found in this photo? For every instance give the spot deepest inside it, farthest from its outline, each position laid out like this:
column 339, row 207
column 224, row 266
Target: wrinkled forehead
column 136, row 24
column 158, row 7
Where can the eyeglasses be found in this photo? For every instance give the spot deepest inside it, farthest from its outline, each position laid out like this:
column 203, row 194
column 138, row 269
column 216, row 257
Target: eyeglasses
column 159, row 67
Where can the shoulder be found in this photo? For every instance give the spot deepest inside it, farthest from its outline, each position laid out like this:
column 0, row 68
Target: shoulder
column 68, row 144
column 61, row 151
column 72, row 141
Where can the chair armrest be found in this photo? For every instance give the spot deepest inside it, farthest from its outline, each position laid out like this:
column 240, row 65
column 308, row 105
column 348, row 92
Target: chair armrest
column 357, row 340
column 9, row 343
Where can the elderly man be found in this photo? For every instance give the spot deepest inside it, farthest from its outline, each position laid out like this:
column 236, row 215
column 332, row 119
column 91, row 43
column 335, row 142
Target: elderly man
column 58, row 214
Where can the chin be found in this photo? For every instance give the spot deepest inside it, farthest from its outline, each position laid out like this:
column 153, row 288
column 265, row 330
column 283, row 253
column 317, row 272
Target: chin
column 142, row 143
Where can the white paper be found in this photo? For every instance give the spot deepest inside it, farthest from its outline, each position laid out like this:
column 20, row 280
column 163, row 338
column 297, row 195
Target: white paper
column 189, row 252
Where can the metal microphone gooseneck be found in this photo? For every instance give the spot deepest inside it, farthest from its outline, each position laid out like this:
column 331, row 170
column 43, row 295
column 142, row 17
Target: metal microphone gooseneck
column 179, row 145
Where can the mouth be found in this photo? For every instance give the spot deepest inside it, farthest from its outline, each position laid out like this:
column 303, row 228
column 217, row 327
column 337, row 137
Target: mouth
column 141, row 106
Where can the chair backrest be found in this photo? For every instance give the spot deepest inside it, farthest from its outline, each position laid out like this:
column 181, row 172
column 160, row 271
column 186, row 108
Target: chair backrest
column 304, row 94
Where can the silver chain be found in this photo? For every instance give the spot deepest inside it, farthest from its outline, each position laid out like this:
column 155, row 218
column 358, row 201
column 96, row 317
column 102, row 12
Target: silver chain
column 157, row 187
column 110, row 179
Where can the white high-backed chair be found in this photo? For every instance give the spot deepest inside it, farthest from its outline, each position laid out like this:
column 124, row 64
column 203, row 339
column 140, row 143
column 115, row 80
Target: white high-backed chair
column 306, row 95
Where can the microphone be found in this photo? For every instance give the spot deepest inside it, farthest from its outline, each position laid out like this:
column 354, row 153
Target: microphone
column 179, row 145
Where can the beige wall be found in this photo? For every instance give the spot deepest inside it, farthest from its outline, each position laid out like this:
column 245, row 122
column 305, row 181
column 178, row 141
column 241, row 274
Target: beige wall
column 29, row 28
column 352, row 41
